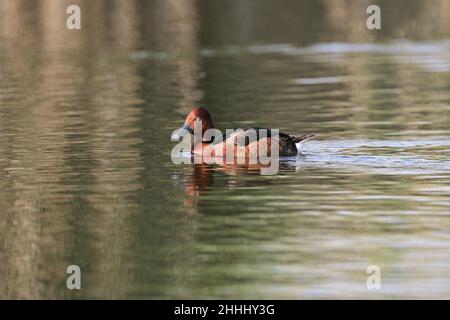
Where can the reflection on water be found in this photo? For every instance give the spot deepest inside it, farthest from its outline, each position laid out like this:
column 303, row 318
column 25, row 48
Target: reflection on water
column 85, row 170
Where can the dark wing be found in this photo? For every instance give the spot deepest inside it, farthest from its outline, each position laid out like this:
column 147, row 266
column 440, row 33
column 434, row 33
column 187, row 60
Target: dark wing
column 241, row 137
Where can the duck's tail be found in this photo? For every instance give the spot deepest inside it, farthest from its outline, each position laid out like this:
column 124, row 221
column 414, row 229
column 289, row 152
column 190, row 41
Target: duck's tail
column 300, row 141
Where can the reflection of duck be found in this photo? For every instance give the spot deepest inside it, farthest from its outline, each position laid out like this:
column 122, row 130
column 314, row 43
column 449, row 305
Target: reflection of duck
column 238, row 141
column 202, row 178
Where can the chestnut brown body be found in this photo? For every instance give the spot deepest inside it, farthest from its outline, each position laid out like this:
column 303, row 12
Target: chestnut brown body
column 239, row 141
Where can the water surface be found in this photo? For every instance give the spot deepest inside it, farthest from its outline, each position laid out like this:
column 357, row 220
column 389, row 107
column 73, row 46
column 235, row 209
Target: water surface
column 86, row 176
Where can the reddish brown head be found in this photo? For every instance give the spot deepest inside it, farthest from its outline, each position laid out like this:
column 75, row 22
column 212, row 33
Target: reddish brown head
column 197, row 114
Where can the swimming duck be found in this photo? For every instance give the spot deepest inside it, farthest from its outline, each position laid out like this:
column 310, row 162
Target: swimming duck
column 289, row 145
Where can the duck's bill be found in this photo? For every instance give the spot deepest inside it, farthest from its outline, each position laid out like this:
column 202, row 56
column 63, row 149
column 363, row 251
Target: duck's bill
column 178, row 134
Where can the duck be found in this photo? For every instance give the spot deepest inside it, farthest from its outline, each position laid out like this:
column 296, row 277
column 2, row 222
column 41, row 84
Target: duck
column 289, row 145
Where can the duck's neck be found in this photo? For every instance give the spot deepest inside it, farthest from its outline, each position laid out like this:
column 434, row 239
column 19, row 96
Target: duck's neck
column 207, row 141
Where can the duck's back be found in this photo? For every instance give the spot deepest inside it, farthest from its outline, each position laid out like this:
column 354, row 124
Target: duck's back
column 246, row 137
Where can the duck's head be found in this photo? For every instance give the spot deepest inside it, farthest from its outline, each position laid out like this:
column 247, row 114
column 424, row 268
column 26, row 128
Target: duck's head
column 196, row 117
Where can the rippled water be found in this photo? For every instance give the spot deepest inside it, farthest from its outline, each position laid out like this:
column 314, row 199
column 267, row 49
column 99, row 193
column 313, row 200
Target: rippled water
column 86, row 176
